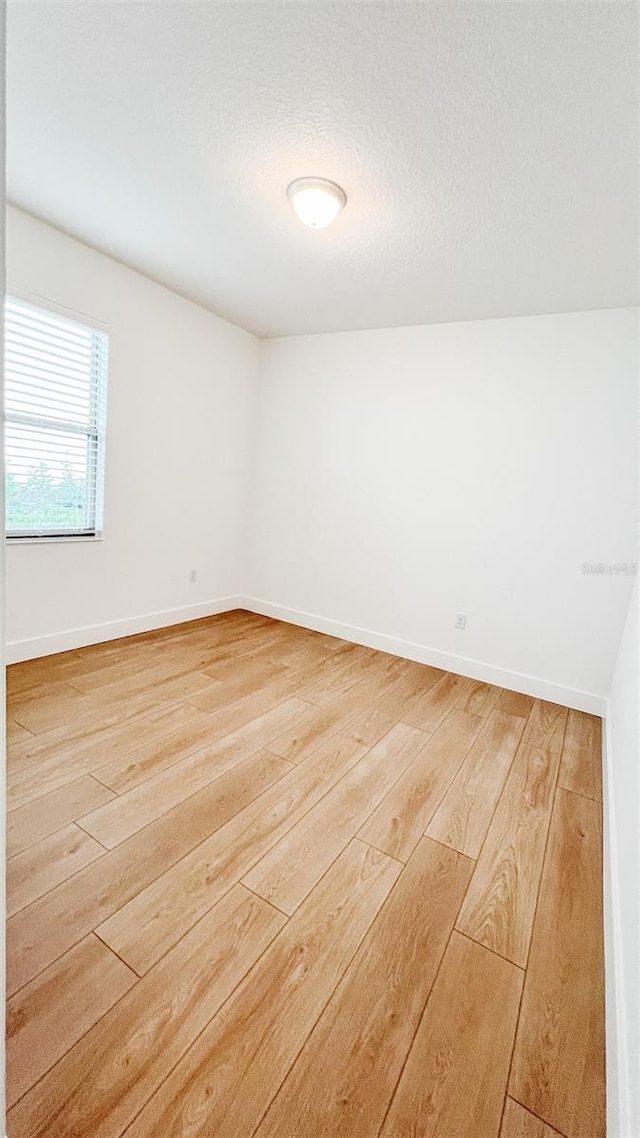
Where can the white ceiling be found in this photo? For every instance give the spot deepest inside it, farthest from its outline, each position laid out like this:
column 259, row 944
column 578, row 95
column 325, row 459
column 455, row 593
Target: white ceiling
column 488, row 150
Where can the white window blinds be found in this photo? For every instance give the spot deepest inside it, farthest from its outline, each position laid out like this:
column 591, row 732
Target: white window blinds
column 55, row 400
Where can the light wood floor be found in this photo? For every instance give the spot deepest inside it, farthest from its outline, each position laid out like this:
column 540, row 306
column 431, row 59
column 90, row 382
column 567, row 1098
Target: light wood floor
column 264, row 882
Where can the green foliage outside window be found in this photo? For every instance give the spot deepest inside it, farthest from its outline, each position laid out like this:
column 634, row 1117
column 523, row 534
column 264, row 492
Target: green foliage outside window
column 43, row 500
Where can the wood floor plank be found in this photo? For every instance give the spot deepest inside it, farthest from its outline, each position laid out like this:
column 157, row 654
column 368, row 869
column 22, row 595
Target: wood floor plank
column 88, row 669
column 480, row 699
column 16, row 733
column 558, row 1063
column 545, row 726
column 92, row 745
column 346, row 653
column 32, row 710
column 49, row 1015
column 402, row 816
column 340, row 672
column 228, row 1078
column 234, row 649
column 29, row 675
column 159, row 915
column 265, row 660
column 354, row 1056
column 330, row 643
column 520, row 1123
column 116, row 699
column 117, row 730
column 514, row 703
column 454, row 1081
column 42, row 774
column 302, row 740
column 48, row 692
column 287, row 874
column 240, row 711
column 462, row 819
column 581, row 763
column 393, row 706
column 305, row 653
column 162, row 749
column 95, row 658
column 140, row 691
column 125, row 679
column 499, row 907
column 198, row 653
column 79, row 905
column 45, row 864
column 224, row 692
column 429, row 712
column 131, row 811
column 43, row 817
column 141, row 666
column 105, row 1079
column 290, row 683
column 112, row 758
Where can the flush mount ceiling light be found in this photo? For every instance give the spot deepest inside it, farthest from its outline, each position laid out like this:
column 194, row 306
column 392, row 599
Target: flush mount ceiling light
column 316, row 201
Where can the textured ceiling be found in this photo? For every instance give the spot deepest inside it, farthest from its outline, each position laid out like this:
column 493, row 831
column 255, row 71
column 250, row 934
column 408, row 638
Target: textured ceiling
column 488, row 150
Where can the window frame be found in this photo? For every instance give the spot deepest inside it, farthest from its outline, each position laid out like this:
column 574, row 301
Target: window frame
column 98, row 392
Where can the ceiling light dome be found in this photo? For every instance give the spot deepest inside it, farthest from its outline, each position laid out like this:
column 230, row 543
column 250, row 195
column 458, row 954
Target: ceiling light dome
column 316, row 201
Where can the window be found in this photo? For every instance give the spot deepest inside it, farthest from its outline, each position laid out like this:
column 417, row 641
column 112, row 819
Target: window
column 55, row 389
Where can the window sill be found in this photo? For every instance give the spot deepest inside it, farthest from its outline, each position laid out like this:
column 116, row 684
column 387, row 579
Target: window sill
column 49, row 540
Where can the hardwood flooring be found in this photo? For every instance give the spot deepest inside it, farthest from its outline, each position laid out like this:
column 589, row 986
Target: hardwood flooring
column 262, row 882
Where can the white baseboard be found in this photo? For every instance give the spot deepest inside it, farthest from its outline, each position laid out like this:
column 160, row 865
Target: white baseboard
column 19, row 650
column 618, row 1073
column 475, row 669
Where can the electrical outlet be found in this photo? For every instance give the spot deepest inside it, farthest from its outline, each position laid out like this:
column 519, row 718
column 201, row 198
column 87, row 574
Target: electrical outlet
column 461, row 620
column 193, row 576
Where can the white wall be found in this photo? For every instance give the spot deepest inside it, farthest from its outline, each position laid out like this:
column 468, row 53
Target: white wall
column 179, row 399
column 405, row 475
column 623, row 882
